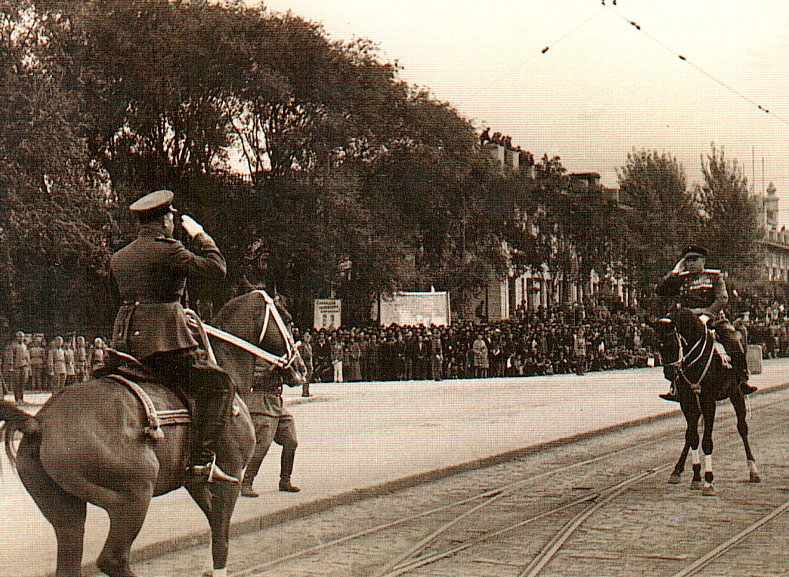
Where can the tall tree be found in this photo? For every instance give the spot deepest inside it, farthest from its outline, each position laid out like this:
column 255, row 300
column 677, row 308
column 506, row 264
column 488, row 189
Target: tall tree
column 664, row 217
column 54, row 219
column 731, row 219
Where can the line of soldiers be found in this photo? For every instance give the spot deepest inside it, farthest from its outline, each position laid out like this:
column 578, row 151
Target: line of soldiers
column 30, row 362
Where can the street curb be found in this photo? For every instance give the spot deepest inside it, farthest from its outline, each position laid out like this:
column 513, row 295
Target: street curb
column 267, row 520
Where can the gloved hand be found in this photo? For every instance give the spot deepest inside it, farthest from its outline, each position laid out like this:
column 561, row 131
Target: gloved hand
column 704, row 319
column 191, row 226
column 679, row 267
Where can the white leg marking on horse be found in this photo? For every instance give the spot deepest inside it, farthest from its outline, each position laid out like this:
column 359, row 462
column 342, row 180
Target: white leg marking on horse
column 707, row 469
column 752, row 467
column 694, row 457
column 219, row 572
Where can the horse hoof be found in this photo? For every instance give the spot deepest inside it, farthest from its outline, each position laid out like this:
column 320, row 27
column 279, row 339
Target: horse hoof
column 674, row 479
column 695, row 485
column 755, row 478
column 708, row 491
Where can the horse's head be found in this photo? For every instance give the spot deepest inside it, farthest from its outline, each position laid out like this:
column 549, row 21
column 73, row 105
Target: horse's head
column 677, row 332
column 264, row 322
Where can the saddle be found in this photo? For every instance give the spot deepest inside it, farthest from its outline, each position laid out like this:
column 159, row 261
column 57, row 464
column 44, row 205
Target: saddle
column 127, row 371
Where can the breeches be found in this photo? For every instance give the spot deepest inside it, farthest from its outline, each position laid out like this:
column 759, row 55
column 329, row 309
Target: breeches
column 730, row 339
column 192, row 372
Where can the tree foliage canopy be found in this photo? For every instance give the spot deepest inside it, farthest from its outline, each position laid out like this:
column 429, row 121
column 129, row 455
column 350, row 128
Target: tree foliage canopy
column 358, row 182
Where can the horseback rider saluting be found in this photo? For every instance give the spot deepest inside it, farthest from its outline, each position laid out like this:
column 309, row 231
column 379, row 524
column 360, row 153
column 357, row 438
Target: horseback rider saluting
column 703, row 291
column 150, row 274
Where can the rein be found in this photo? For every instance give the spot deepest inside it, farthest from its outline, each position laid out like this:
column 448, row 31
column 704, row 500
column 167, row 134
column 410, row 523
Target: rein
column 682, row 363
column 283, row 361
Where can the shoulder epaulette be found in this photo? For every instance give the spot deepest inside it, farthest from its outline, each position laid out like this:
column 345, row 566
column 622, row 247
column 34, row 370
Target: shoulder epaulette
column 166, row 239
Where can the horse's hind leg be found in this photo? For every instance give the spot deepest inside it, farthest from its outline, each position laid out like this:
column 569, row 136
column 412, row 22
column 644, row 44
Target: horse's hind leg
column 63, row 510
column 126, row 519
column 738, row 401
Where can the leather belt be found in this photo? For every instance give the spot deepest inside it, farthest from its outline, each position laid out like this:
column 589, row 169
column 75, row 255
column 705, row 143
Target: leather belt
column 277, row 391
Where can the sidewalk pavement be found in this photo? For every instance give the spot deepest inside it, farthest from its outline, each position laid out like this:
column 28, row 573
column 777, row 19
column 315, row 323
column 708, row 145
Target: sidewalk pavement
column 355, row 436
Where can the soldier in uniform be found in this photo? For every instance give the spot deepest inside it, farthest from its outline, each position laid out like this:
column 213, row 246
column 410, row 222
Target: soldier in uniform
column 306, row 356
column 704, row 292
column 150, row 274
column 272, row 423
column 81, row 360
column 37, row 355
column 19, row 367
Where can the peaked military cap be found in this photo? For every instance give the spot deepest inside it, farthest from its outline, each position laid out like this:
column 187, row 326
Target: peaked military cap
column 154, row 202
column 694, row 249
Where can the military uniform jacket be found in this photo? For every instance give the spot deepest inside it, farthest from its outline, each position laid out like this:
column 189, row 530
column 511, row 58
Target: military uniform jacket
column 264, row 395
column 150, row 274
column 703, row 292
column 20, row 358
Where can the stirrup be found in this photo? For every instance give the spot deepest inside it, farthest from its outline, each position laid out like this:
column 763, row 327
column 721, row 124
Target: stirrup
column 212, row 472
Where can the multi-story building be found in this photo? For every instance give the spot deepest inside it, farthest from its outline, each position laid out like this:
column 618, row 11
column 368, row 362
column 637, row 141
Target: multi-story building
column 532, row 289
column 776, row 242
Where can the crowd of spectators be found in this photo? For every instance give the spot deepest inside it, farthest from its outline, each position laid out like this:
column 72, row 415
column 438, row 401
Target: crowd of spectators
column 29, row 362
column 557, row 339
column 550, row 340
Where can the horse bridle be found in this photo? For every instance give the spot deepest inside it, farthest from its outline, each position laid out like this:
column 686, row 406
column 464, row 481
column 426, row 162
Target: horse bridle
column 284, row 361
column 682, row 361
column 291, row 350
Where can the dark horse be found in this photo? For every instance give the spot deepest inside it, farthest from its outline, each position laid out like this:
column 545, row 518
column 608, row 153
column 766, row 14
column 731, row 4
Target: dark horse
column 689, row 354
column 87, row 445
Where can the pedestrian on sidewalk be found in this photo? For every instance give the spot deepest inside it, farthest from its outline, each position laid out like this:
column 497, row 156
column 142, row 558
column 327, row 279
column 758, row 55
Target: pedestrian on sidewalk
column 272, row 422
column 306, row 356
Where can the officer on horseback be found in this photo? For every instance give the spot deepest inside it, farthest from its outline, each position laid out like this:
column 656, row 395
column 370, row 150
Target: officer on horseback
column 703, row 291
column 150, row 274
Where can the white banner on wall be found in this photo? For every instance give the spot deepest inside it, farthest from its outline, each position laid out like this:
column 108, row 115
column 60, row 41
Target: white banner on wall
column 328, row 314
column 417, row 308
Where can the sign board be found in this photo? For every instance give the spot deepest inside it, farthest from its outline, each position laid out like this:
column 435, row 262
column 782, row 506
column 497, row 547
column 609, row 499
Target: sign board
column 327, row 314
column 417, row 308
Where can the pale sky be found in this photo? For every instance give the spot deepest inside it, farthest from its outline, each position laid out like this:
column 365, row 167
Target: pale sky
column 603, row 88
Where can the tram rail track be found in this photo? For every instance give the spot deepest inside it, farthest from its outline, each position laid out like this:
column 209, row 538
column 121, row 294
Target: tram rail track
column 414, row 557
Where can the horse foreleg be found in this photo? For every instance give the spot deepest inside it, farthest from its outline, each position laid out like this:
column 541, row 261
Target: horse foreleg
column 738, row 401
column 224, row 498
column 680, row 466
column 692, row 414
column 217, row 501
column 706, row 446
column 126, row 519
column 63, row 510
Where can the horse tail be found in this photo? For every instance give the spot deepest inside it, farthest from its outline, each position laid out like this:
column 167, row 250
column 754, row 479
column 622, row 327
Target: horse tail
column 15, row 420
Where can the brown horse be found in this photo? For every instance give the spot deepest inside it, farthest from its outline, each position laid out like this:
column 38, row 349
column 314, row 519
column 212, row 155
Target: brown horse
column 86, row 445
column 688, row 352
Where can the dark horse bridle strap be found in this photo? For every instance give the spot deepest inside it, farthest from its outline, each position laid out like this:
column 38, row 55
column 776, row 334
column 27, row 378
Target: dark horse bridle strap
column 708, row 348
column 282, row 362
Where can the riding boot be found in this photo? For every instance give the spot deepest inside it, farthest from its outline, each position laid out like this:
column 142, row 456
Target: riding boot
column 286, row 470
column 212, row 417
column 672, row 393
column 740, row 365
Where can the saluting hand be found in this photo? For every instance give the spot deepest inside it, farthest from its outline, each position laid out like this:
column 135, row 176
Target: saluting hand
column 191, row 226
column 679, row 267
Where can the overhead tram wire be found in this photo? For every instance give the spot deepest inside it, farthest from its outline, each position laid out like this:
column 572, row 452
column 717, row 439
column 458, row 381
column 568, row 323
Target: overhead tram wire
column 637, row 26
column 573, row 31
column 728, row 87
